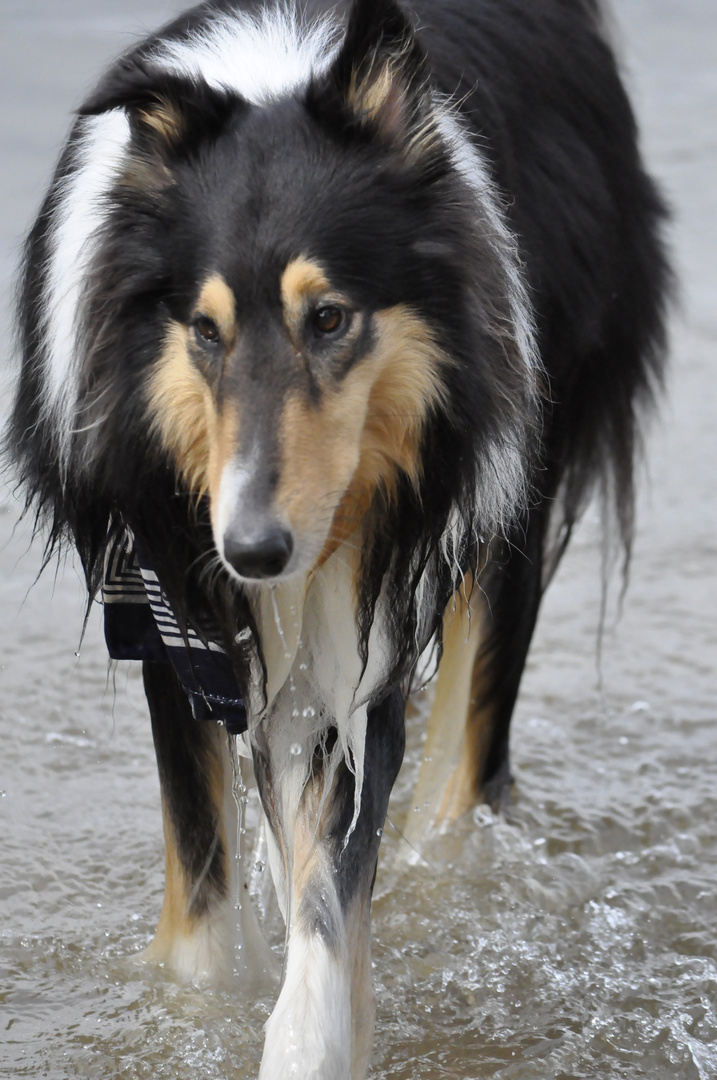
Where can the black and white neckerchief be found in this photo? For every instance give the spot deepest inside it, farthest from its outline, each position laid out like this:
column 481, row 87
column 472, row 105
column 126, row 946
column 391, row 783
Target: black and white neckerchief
column 140, row 625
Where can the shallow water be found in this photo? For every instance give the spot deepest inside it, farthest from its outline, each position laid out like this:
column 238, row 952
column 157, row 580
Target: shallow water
column 573, row 937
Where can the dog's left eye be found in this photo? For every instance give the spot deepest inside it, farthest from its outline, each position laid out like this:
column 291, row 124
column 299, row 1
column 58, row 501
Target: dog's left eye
column 328, row 320
column 206, row 331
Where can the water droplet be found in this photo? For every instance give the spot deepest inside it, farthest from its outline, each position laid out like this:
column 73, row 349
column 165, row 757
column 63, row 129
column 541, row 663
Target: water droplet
column 259, row 866
column 302, row 667
column 77, row 655
column 296, row 749
column 295, row 713
column 287, row 655
column 379, row 832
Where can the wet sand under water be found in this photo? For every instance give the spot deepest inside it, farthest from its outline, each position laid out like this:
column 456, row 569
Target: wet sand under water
column 573, row 937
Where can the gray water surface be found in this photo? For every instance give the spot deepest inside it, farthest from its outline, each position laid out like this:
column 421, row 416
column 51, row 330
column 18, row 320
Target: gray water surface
column 574, row 937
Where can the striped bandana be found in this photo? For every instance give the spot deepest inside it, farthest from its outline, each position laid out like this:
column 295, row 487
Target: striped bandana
column 140, row 625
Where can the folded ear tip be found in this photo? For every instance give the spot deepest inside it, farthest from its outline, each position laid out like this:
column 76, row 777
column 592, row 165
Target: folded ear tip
column 387, row 17
column 126, row 82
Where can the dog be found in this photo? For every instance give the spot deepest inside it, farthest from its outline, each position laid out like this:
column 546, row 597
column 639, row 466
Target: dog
column 334, row 317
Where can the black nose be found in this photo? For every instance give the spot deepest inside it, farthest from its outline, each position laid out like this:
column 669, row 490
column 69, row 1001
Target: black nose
column 261, row 556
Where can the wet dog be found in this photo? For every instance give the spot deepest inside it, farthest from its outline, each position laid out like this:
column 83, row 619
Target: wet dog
column 333, row 318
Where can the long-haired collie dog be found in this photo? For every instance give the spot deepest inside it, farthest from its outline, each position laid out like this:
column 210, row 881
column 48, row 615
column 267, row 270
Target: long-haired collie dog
column 334, row 316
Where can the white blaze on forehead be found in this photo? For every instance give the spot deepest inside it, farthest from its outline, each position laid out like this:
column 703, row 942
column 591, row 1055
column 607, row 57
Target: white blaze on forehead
column 261, row 56
column 81, row 210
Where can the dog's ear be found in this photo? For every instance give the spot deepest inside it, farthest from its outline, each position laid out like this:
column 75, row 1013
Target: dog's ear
column 378, row 84
column 168, row 113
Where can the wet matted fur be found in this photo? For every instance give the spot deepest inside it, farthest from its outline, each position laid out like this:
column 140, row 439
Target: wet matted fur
column 340, row 309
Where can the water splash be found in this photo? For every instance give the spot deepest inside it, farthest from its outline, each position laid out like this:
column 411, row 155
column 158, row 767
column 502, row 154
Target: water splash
column 254, row 961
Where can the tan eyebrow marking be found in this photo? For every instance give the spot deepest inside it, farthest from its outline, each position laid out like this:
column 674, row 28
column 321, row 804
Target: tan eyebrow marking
column 302, row 281
column 216, row 300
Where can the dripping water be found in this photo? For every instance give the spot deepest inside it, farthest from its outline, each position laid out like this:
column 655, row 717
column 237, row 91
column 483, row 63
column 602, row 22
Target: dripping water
column 253, row 959
column 279, row 627
column 239, row 795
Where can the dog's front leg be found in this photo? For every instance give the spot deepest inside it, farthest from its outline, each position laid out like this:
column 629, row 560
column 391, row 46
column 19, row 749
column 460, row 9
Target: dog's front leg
column 196, row 930
column 322, row 1025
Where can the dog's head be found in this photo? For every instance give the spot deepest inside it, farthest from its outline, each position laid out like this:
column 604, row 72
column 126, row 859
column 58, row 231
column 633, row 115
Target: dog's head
column 295, row 286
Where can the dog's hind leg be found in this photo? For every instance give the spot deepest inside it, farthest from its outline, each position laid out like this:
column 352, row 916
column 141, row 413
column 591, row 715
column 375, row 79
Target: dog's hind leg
column 437, row 797
column 486, row 640
column 195, row 932
column 513, row 589
column 322, row 1026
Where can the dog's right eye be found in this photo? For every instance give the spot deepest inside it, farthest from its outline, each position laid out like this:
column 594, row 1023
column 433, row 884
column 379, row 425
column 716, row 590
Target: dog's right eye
column 206, row 332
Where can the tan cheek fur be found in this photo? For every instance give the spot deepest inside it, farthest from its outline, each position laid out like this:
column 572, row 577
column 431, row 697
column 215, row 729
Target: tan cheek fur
column 320, row 451
column 407, row 387
column 399, row 385
column 199, row 439
column 320, row 445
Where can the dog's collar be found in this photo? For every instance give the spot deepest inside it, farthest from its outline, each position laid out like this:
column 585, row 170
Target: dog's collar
column 140, row 625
